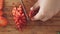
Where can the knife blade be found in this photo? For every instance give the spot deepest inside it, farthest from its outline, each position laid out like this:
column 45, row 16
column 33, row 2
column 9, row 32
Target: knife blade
column 24, row 10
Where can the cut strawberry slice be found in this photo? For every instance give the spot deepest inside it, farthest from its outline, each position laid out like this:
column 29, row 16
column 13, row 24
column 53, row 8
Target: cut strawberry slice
column 33, row 12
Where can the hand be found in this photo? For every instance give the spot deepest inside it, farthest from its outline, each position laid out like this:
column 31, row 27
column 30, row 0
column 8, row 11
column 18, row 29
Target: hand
column 48, row 8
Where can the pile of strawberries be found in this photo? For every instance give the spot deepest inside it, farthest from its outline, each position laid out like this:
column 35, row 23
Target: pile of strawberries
column 19, row 16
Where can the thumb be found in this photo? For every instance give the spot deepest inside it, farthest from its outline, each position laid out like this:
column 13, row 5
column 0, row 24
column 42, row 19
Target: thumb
column 35, row 5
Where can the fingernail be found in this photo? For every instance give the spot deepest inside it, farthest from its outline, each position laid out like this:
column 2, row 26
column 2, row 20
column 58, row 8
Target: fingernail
column 31, row 8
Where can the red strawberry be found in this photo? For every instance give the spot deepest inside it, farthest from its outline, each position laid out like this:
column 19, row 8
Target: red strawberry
column 19, row 17
column 33, row 12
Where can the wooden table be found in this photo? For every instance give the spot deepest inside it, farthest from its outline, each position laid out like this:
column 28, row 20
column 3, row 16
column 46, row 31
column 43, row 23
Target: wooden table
column 51, row 26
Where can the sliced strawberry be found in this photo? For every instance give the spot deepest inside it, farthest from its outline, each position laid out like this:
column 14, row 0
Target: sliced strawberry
column 19, row 17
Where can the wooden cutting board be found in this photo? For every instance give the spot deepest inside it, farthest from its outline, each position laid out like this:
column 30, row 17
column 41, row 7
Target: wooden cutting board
column 51, row 26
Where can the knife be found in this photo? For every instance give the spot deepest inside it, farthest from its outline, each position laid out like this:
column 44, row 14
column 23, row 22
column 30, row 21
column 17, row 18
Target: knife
column 25, row 12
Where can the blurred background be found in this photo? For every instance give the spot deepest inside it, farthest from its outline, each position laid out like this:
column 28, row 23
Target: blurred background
column 51, row 26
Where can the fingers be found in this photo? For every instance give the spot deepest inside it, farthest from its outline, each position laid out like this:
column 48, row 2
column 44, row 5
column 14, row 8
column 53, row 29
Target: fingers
column 45, row 14
column 35, row 6
column 47, row 10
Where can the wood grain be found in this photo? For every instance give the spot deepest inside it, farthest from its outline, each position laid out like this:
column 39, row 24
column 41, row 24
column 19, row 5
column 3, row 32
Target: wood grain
column 51, row 26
